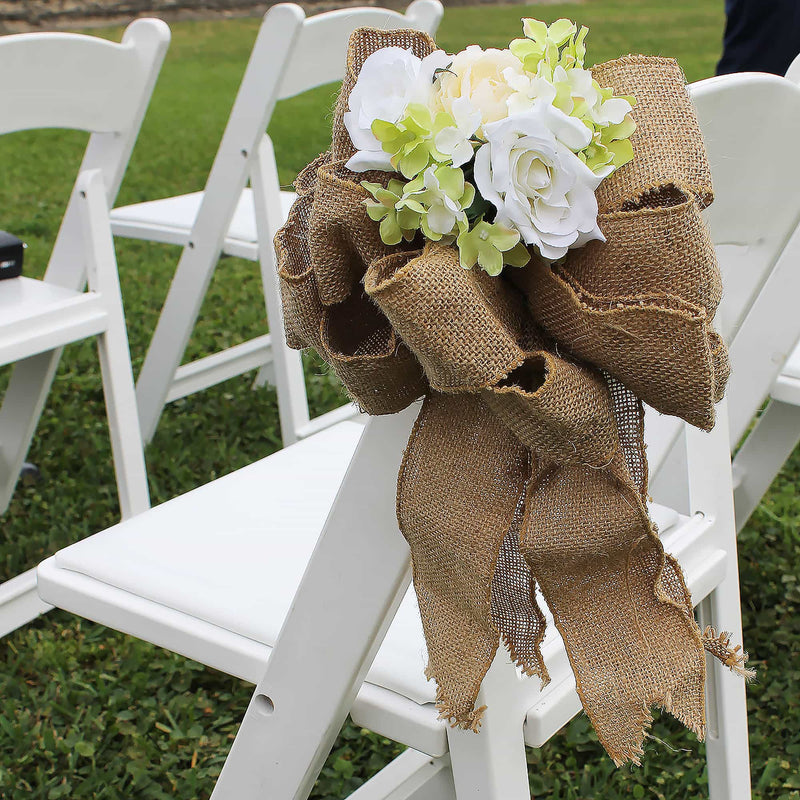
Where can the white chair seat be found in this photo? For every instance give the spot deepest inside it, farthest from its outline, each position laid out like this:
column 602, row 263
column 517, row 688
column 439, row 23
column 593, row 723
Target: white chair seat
column 787, row 387
column 170, row 220
column 36, row 317
column 219, row 566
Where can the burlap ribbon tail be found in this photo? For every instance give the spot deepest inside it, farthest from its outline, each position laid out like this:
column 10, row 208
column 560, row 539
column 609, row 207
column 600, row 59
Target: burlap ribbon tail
column 526, row 470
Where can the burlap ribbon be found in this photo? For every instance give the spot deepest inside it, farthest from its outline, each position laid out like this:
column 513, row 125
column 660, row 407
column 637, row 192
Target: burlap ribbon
column 526, row 466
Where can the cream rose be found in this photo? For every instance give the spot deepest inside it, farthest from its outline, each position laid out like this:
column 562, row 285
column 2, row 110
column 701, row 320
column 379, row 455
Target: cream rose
column 481, row 77
column 527, row 169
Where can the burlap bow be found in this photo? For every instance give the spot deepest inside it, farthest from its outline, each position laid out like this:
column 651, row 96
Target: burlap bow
column 526, row 466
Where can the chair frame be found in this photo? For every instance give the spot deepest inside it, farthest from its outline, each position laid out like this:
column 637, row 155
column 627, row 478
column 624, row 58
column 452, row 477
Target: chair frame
column 83, row 250
column 274, row 72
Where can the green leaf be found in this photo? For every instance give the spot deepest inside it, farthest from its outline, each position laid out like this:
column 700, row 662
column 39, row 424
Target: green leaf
column 517, row 256
column 375, row 211
column 490, row 260
column 623, row 130
column 560, row 31
column 467, row 251
column 390, row 231
column 384, row 131
column 451, row 181
column 535, row 29
column 622, row 151
column 414, row 161
column 85, row 749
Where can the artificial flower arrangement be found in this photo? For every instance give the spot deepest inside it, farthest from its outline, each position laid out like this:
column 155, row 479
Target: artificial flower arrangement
column 499, row 150
column 525, row 471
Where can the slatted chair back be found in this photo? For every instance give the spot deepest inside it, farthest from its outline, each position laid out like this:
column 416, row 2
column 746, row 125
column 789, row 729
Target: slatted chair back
column 316, row 58
column 63, row 80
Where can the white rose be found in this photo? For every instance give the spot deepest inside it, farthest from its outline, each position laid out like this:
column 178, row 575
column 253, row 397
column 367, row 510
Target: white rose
column 389, row 80
column 527, row 169
column 481, row 77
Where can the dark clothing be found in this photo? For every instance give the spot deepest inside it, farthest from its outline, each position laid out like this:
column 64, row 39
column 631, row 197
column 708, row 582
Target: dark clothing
column 760, row 36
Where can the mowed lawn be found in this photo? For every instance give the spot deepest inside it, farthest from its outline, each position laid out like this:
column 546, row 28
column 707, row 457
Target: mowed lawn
column 89, row 713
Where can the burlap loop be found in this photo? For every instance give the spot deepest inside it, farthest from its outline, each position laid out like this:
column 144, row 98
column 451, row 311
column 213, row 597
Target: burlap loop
column 557, row 408
column 526, row 465
column 652, row 288
column 302, row 309
column 721, row 364
column 636, row 339
column 462, row 325
column 306, row 180
column 669, row 243
column 667, row 141
column 343, row 239
column 381, row 376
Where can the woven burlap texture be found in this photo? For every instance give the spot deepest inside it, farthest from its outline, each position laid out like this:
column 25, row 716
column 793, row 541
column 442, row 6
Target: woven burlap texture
column 526, row 465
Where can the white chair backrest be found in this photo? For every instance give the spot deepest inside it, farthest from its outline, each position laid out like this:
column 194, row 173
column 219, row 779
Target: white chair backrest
column 751, row 126
column 793, row 73
column 750, row 122
column 317, row 55
column 62, row 80
column 293, row 54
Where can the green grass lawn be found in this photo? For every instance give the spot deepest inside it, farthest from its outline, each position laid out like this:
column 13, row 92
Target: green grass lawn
column 90, row 713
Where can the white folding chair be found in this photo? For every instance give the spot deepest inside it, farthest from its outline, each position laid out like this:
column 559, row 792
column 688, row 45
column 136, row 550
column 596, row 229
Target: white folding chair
column 50, row 80
column 291, row 55
column 754, row 222
column 237, row 575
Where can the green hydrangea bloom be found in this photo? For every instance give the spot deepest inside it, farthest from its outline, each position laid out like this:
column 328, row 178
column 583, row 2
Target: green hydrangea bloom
column 395, row 224
column 550, row 45
column 610, row 147
column 555, row 54
column 491, row 246
column 440, row 196
column 410, row 140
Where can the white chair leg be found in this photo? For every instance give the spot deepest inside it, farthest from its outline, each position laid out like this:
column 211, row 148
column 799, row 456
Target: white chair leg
column 20, row 602
column 764, row 452
column 352, row 586
column 19, row 414
column 727, row 747
column 726, row 742
column 668, row 486
column 411, row 776
column 491, row 765
column 112, row 346
column 287, row 363
column 178, row 316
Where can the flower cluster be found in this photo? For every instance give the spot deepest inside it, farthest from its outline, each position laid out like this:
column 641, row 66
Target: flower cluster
column 499, row 150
